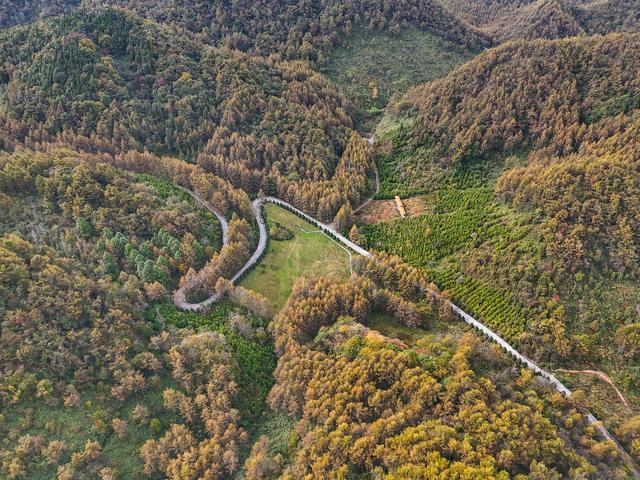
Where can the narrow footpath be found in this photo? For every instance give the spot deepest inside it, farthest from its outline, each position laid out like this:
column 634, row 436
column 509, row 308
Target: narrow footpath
column 369, row 199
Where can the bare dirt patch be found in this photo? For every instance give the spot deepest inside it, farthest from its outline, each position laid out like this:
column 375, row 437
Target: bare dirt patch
column 382, row 210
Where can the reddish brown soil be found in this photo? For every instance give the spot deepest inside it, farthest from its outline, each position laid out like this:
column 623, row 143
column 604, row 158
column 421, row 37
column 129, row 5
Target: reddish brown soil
column 382, row 210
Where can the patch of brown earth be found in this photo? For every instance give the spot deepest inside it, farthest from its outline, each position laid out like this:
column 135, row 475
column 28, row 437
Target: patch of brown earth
column 383, row 210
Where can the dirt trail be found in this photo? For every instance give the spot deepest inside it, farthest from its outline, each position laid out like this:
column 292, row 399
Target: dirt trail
column 369, row 199
column 602, row 376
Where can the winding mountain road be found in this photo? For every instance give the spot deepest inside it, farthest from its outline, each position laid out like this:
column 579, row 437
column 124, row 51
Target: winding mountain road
column 179, row 296
column 224, row 225
column 181, row 302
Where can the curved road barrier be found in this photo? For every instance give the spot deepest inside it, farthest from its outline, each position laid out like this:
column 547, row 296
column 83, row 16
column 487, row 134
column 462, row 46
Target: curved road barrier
column 224, row 225
column 552, row 379
column 180, row 295
column 326, row 228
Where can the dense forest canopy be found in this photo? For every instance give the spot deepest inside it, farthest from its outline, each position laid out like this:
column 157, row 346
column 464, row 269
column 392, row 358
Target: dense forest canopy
column 303, row 29
column 115, row 76
column 528, row 155
column 26, row 11
column 366, row 406
column 528, row 19
column 84, row 248
column 309, row 29
column 138, row 140
column 110, row 81
column 565, row 92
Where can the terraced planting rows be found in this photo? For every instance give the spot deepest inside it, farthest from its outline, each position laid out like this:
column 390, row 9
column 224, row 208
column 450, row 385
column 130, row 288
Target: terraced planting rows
column 483, row 301
column 464, row 216
column 451, row 198
column 407, row 239
column 461, row 219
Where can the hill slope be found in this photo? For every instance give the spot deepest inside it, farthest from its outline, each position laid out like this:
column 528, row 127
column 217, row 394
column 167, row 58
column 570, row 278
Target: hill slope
column 528, row 19
column 304, row 28
column 309, row 29
column 541, row 94
column 19, row 12
column 553, row 126
column 108, row 80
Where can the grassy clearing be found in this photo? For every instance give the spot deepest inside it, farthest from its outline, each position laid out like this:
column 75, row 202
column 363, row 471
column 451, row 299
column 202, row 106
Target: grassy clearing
column 372, row 66
column 388, row 326
column 306, row 254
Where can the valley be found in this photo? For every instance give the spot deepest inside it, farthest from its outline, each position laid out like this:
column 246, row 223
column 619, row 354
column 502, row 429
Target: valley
column 299, row 240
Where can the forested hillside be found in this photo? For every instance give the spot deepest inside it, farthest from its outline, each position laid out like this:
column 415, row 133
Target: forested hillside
column 540, row 95
column 309, row 29
column 435, row 414
column 26, row 11
column 114, row 76
column 569, row 116
column 528, row 157
column 108, row 81
column 571, row 98
column 87, row 386
column 607, row 16
column 139, row 143
column 528, row 19
column 297, row 29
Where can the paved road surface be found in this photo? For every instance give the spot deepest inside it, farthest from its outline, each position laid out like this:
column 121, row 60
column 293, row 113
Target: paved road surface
column 179, row 297
column 221, row 218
